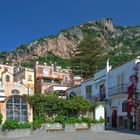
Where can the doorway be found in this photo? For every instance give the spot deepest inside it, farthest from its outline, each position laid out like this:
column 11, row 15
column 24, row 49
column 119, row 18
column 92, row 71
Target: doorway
column 114, row 118
column 138, row 119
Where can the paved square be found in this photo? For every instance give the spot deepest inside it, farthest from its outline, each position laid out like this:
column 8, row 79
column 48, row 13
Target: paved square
column 105, row 135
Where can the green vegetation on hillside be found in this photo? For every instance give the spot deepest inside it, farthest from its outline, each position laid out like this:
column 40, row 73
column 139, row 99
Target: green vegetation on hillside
column 48, row 59
column 95, row 42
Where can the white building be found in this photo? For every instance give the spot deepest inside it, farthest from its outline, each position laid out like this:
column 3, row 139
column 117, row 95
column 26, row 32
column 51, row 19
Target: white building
column 86, row 89
column 117, row 104
column 76, row 90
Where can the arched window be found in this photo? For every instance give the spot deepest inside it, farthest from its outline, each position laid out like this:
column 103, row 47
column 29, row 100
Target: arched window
column 15, row 92
column 7, row 78
column 16, row 109
column 66, row 79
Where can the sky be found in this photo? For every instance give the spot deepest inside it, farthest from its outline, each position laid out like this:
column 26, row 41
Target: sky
column 22, row 21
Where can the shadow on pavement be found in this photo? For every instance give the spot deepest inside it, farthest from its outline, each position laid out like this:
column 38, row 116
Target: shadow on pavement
column 135, row 132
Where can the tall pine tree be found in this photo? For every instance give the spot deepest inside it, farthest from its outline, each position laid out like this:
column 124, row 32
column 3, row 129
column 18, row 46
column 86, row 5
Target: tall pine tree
column 89, row 56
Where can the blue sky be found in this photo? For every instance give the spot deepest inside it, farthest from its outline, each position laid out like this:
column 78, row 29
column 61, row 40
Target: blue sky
column 22, row 21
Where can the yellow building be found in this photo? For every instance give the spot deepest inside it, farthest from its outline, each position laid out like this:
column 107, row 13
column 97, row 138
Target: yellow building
column 25, row 76
column 14, row 82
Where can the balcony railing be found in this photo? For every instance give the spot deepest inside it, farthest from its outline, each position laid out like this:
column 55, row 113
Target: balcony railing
column 118, row 89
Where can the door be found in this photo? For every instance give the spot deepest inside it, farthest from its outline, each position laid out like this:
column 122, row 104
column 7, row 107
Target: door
column 114, row 118
column 138, row 119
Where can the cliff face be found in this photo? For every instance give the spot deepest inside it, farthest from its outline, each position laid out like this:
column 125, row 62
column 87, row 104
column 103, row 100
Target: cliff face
column 112, row 38
column 63, row 45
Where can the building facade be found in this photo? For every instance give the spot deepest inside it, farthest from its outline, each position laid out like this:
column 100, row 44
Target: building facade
column 86, row 90
column 50, row 78
column 13, row 106
column 118, row 99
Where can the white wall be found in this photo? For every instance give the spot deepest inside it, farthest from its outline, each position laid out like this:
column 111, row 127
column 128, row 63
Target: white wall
column 59, row 88
column 99, row 112
column 115, row 102
column 126, row 69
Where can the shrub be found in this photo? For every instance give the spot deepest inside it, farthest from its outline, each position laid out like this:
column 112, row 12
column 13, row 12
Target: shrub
column 50, row 121
column 67, row 120
column 73, row 120
column 1, row 118
column 88, row 120
column 60, row 119
column 10, row 124
column 37, row 122
column 101, row 120
column 14, row 124
column 25, row 125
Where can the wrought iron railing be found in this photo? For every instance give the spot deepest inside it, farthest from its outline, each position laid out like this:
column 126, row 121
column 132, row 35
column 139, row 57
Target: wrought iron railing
column 118, row 89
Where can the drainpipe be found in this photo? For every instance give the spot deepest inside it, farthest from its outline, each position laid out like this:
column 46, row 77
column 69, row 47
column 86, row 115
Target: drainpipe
column 28, row 89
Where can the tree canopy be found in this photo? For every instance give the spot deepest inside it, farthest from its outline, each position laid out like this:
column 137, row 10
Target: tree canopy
column 50, row 105
column 89, row 57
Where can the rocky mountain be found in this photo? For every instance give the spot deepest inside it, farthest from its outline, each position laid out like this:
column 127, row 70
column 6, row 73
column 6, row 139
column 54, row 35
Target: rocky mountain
column 117, row 42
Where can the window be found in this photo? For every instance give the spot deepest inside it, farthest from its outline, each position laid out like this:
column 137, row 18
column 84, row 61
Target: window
column 15, row 92
column 7, row 78
column 120, row 79
column 47, row 80
column 57, row 81
column 89, row 92
column 30, row 78
column 124, row 106
column 108, row 119
column 16, row 109
column 102, row 92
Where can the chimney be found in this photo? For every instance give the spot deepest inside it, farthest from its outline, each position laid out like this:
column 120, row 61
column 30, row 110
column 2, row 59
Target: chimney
column 108, row 67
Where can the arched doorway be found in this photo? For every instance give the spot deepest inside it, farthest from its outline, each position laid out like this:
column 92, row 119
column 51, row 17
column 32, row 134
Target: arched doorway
column 16, row 109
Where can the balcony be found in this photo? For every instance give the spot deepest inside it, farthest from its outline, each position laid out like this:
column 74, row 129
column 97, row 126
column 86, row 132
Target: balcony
column 118, row 89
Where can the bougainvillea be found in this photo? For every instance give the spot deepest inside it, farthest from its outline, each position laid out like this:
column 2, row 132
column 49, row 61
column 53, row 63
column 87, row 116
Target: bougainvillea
column 131, row 91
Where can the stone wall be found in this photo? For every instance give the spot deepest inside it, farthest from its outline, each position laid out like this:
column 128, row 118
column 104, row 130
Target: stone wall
column 51, row 128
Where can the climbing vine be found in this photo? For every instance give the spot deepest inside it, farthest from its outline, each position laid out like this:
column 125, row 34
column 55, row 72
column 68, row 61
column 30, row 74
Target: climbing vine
column 132, row 91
